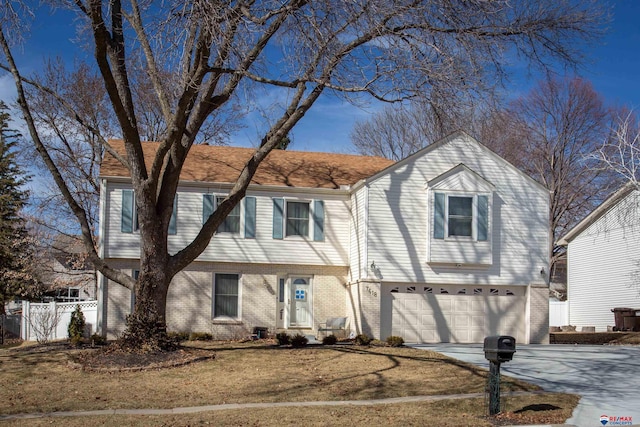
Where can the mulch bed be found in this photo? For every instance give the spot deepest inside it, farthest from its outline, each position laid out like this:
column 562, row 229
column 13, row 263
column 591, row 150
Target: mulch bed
column 114, row 360
column 595, row 338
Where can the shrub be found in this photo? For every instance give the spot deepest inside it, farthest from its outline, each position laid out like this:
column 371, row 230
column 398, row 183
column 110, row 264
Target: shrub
column 363, row 339
column 200, row 336
column 283, row 338
column 179, row 336
column 395, row 341
column 329, row 340
column 97, row 339
column 76, row 326
column 299, row 340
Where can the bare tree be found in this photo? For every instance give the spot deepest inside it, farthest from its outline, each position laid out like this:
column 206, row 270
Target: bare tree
column 548, row 133
column 620, row 154
column 202, row 56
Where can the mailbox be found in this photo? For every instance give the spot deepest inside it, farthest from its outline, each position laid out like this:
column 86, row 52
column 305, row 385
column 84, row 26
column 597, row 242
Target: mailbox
column 499, row 348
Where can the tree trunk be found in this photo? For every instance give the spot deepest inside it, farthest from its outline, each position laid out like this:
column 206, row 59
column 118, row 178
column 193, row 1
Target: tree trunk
column 146, row 329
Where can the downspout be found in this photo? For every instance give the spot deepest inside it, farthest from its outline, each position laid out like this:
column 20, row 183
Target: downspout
column 100, row 279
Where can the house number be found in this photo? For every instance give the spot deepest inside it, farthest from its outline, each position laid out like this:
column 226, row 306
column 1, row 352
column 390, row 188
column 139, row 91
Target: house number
column 372, row 292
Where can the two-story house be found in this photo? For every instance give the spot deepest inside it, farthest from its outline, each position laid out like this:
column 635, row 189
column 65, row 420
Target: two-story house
column 447, row 245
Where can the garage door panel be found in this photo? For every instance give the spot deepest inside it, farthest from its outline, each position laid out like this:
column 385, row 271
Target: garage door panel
column 456, row 317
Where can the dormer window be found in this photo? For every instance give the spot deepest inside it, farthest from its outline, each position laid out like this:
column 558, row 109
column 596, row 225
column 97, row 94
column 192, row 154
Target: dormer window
column 461, row 216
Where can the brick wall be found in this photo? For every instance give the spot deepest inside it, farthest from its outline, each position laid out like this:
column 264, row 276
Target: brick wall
column 189, row 303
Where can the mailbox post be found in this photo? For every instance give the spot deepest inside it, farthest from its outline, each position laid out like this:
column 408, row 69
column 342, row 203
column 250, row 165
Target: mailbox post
column 497, row 349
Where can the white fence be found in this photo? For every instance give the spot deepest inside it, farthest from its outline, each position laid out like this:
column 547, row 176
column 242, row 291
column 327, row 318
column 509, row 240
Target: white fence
column 558, row 313
column 51, row 320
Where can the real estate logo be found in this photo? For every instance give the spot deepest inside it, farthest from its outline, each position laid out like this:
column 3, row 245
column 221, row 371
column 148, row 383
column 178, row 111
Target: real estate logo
column 615, row 421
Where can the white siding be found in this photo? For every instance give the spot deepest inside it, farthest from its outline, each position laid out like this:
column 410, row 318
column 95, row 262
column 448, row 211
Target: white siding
column 601, row 263
column 235, row 248
column 399, row 220
column 358, row 241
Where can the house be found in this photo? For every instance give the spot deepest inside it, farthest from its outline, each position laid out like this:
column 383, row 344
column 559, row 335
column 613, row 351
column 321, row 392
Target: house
column 446, row 245
column 67, row 275
column 603, row 261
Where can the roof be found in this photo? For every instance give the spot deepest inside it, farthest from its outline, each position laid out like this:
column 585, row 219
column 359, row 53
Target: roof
column 222, row 164
column 597, row 213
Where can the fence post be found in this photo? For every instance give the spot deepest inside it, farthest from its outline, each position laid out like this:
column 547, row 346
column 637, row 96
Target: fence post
column 25, row 329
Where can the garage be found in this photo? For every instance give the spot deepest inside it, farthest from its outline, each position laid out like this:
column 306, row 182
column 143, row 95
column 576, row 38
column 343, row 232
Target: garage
column 457, row 314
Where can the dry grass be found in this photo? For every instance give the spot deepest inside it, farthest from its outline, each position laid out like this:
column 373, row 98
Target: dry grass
column 43, row 381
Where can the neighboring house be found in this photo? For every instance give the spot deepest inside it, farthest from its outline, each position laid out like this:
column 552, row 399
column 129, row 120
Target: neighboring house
column 446, row 245
column 68, row 276
column 603, row 261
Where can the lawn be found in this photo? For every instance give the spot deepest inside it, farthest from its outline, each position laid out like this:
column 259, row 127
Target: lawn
column 37, row 379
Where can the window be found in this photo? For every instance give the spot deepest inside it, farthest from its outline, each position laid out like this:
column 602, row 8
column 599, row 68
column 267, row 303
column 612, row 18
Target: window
column 461, row 216
column 226, row 292
column 293, row 218
column 297, row 219
column 129, row 217
column 231, row 223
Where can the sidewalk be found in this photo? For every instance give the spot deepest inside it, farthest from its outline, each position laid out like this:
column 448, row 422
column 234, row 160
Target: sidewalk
column 194, row 409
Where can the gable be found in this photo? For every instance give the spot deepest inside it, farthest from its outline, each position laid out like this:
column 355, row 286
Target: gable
column 461, row 178
column 450, row 150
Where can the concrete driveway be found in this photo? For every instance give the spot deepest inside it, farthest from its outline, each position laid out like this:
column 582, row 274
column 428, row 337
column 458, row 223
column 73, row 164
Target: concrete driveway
column 607, row 377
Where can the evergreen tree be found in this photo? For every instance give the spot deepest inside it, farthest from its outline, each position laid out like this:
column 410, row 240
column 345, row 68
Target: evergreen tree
column 14, row 246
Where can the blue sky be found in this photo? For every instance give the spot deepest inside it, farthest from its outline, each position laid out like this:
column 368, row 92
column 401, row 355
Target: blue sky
column 613, row 67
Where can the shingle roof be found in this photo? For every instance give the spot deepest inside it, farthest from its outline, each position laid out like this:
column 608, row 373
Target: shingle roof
column 222, row 164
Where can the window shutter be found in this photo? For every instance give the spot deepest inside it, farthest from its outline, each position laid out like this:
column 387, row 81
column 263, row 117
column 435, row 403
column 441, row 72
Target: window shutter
column 318, row 220
column 126, row 222
column 438, row 218
column 278, row 216
column 173, row 222
column 207, row 207
column 483, row 218
column 250, row 217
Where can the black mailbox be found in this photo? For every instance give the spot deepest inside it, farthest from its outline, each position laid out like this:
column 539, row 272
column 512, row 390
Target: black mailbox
column 499, row 348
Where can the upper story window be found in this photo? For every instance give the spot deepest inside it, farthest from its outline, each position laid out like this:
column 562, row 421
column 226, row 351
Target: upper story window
column 232, row 224
column 298, row 218
column 461, row 216
column 129, row 215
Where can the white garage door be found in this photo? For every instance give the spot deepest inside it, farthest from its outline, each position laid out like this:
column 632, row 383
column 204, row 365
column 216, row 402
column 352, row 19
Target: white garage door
column 457, row 314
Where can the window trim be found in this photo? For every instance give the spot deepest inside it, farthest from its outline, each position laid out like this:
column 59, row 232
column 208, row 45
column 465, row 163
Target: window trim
column 475, row 216
column 286, row 218
column 239, row 296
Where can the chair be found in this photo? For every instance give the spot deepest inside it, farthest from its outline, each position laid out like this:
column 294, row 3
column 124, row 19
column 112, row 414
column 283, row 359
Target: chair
column 333, row 325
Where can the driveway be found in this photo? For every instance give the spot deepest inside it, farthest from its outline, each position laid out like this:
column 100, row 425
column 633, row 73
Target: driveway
column 607, row 377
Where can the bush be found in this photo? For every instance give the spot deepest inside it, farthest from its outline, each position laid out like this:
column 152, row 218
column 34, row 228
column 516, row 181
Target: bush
column 283, row 338
column 97, row 339
column 395, row 341
column 329, row 340
column 200, row 336
column 179, row 336
column 76, row 326
column 299, row 340
column 363, row 339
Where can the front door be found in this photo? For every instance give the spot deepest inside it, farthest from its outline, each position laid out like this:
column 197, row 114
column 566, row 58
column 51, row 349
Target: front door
column 300, row 310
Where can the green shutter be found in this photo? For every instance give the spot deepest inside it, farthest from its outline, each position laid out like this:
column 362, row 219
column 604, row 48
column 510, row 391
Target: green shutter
column 278, row 216
column 207, row 207
column 483, row 218
column 318, row 220
column 126, row 222
column 438, row 218
column 173, row 222
column 249, row 217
